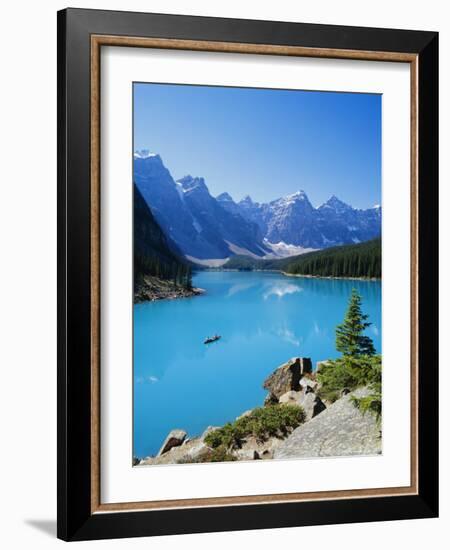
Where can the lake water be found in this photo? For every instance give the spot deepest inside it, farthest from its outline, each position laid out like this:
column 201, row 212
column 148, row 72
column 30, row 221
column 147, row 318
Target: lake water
column 264, row 319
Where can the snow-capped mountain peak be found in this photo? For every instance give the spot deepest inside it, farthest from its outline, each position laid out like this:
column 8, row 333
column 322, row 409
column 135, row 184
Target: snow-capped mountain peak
column 203, row 226
column 335, row 204
column 298, row 199
column 144, row 154
column 224, row 197
column 300, row 194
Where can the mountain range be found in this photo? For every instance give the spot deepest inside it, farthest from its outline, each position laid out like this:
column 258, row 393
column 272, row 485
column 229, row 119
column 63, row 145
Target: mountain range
column 208, row 229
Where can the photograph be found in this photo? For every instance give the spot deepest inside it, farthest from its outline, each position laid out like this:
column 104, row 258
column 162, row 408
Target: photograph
column 257, row 273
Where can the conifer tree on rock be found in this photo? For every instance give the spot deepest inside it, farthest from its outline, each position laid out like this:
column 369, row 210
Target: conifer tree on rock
column 350, row 340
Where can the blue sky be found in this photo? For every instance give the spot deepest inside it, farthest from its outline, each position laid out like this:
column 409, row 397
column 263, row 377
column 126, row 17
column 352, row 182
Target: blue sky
column 265, row 143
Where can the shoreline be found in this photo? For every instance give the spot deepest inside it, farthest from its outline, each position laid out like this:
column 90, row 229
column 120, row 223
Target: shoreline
column 152, row 289
column 173, row 295
column 310, row 433
column 373, row 279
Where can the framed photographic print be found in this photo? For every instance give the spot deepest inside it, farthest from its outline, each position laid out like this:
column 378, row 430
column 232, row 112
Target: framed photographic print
column 247, row 274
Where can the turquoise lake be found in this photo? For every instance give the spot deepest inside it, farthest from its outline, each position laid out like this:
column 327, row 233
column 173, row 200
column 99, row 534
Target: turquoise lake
column 264, row 319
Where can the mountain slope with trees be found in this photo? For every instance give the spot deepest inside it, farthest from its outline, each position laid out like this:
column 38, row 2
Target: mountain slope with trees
column 156, row 258
column 357, row 260
column 359, row 365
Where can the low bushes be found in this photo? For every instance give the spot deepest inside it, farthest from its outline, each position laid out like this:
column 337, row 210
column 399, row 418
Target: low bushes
column 350, row 373
column 262, row 423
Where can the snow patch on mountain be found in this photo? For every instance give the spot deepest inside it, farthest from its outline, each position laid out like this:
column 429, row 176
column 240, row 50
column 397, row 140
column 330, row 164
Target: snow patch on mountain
column 180, row 190
column 190, row 184
column 284, row 250
column 218, row 262
column 291, row 199
column 240, row 251
column 197, row 226
column 144, row 154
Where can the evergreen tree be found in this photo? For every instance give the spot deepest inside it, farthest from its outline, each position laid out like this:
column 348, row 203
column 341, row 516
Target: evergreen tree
column 350, row 340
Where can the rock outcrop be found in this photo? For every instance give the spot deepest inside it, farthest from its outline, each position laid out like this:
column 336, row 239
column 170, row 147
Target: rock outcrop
column 149, row 289
column 340, row 430
column 255, row 449
column 311, row 403
column 174, row 439
column 189, row 450
column 287, row 377
column 328, row 430
column 309, row 383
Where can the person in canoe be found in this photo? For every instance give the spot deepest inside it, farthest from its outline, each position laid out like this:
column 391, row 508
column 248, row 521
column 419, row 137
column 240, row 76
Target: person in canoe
column 211, row 339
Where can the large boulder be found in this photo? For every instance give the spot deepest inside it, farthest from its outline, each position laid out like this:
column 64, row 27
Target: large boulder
column 174, row 439
column 191, row 451
column 183, row 450
column 340, row 430
column 305, row 365
column 287, row 377
column 309, row 383
column 308, row 400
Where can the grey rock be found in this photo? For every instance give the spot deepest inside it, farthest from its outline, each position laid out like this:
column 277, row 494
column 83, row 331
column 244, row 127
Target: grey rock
column 308, row 400
column 309, row 384
column 340, row 430
column 289, row 397
column 287, row 377
column 253, row 448
column 174, row 439
column 192, row 451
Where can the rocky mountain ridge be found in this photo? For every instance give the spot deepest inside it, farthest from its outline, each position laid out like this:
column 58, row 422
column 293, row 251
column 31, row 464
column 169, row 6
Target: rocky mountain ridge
column 215, row 228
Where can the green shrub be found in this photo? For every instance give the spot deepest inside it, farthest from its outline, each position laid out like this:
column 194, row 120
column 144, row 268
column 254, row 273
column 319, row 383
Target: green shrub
column 358, row 366
column 372, row 402
column 348, row 373
column 219, row 454
column 262, row 423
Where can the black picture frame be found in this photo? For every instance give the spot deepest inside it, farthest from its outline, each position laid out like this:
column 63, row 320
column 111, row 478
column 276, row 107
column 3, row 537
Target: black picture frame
column 75, row 518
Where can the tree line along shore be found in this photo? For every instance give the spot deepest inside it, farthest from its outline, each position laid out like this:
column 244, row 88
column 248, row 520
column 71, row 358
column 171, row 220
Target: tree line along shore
column 356, row 261
column 161, row 271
